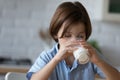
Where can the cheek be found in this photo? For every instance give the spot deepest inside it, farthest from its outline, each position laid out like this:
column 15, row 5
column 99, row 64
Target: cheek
column 84, row 38
column 62, row 41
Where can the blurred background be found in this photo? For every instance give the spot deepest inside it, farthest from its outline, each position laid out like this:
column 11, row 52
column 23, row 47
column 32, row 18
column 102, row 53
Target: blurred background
column 21, row 21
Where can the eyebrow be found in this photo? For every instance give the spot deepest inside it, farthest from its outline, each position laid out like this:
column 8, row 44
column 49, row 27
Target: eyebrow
column 71, row 32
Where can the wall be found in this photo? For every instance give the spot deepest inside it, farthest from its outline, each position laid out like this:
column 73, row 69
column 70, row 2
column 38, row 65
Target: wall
column 107, row 34
column 20, row 21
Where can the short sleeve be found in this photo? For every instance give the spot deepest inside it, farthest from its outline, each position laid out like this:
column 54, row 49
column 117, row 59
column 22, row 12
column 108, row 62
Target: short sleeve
column 98, row 71
column 40, row 62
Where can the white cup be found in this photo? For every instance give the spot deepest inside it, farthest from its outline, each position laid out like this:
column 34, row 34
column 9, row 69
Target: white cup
column 81, row 55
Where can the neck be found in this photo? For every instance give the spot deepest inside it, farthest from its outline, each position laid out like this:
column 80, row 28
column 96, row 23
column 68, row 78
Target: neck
column 69, row 60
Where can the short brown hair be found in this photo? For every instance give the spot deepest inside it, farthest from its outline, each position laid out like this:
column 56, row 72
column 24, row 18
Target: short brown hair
column 71, row 12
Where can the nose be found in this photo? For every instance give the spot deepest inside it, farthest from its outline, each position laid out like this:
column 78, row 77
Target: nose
column 74, row 38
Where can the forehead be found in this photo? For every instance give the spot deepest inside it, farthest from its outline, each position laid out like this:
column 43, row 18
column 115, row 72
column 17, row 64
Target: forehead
column 76, row 27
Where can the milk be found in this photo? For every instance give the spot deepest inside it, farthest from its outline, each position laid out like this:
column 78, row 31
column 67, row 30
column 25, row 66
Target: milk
column 81, row 55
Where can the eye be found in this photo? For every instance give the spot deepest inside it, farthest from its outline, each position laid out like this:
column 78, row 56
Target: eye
column 80, row 36
column 67, row 35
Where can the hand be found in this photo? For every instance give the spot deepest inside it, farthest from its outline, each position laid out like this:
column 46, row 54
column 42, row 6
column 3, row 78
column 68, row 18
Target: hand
column 92, row 52
column 66, row 49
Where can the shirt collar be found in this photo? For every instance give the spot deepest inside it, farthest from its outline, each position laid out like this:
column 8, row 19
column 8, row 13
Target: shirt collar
column 75, row 64
column 56, row 47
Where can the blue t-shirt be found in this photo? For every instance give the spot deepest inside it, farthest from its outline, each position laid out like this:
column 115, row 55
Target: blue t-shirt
column 63, row 71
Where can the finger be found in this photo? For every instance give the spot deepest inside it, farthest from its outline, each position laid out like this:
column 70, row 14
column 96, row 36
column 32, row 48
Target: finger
column 71, row 49
column 86, row 45
column 71, row 44
column 82, row 42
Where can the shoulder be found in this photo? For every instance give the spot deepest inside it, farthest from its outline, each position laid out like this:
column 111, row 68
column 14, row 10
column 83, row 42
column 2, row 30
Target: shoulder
column 43, row 59
column 49, row 54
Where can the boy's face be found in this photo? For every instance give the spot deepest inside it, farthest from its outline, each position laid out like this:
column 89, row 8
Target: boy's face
column 74, row 32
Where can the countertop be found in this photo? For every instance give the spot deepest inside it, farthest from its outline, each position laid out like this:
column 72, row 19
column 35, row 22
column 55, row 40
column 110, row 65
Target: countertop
column 4, row 68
